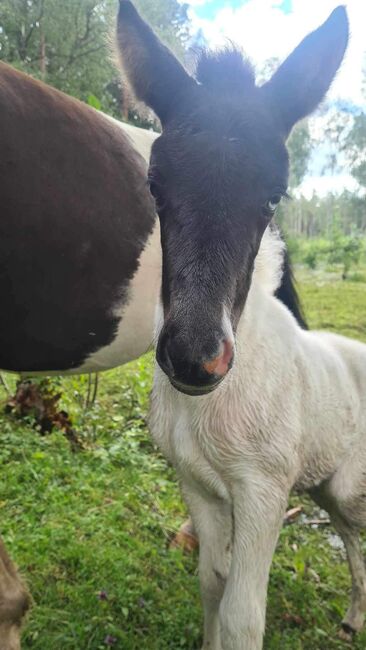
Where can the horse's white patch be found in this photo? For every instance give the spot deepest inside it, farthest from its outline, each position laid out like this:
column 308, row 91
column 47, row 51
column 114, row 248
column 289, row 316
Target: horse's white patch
column 141, row 139
column 136, row 327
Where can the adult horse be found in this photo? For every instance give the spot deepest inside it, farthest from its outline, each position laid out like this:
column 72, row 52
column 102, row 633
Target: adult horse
column 77, row 247
column 80, row 255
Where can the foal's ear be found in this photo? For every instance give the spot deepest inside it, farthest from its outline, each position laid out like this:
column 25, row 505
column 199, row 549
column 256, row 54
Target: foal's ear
column 301, row 82
column 156, row 76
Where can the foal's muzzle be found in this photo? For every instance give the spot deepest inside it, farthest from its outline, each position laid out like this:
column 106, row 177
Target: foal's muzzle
column 191, row 373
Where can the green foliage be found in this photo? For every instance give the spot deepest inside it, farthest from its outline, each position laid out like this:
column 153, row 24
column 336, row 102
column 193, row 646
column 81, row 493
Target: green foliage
column 346, row 135
column 320, row 216
column 339, row 253
column 94, row 102
column 355, row 148
column 299, row 146
column 169, row 19
column 310, row 258
column 345, row 251
column 67, row 43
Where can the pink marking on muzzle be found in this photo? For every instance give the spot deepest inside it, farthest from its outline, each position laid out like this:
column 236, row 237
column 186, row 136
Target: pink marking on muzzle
column 220, row 365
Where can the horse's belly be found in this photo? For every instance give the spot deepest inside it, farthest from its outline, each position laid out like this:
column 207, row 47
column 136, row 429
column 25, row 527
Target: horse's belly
column 71, row 341
column 136, row 325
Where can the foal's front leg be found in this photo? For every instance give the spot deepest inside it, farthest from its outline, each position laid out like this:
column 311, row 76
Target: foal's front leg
column 212, row 519
column 259, row 505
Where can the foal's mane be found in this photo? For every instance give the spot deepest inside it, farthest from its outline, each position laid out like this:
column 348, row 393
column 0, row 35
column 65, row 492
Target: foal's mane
column 225, row 68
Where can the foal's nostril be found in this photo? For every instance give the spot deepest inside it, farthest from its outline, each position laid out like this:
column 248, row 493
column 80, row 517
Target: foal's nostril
column 163, row 357
column 221, row 364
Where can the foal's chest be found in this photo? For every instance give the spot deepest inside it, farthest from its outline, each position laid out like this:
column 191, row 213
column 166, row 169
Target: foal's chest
column 181, row 433
column 193, row 458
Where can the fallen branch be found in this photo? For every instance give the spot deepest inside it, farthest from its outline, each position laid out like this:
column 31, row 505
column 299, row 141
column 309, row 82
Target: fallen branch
column 292, row 514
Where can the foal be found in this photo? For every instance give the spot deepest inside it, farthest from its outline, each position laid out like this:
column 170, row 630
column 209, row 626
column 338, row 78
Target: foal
column 291, row 414
column 292, row 411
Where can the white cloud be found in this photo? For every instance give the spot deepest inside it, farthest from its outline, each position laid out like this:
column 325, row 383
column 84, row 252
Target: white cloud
column 323, row 185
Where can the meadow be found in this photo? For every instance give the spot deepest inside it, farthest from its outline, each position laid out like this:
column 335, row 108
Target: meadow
column 90, row 529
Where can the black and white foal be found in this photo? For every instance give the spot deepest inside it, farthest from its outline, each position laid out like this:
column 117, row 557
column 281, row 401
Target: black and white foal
column 292, row 410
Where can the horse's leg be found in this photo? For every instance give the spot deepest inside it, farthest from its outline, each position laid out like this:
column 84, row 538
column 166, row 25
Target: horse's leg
column 259, row 504
column 344, row 500
column 14, row 602
column 354, row 618
column 213, row 524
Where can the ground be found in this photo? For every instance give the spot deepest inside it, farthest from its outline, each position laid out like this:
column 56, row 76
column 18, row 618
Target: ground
column 90, row 530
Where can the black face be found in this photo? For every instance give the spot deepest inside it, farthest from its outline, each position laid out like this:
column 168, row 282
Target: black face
column 217, row 174
column 216, row 178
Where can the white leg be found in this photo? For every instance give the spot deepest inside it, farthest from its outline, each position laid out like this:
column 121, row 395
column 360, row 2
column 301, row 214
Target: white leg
column 354, row 619
column 259, row 506
column 212, row 519
column 345, row 503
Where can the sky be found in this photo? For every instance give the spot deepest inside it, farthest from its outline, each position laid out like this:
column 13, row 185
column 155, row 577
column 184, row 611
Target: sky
column 272, row 28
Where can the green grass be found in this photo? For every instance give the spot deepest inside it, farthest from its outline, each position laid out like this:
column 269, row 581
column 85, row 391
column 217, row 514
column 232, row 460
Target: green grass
column 82, row 525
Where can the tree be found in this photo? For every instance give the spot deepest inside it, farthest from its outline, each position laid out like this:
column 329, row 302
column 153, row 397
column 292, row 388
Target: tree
column 346, row 133
column 170, row 21
column 300, row 147
column 354, row 146
column 67, row 42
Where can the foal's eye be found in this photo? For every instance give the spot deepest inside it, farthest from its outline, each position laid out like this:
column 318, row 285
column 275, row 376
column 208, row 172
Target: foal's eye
column 156, row 192
column 272, row 203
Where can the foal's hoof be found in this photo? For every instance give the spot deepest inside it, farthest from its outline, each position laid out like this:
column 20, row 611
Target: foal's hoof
column 346, row 633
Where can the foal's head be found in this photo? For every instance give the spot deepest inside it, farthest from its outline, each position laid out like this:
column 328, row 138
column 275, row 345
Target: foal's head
column 217, row 173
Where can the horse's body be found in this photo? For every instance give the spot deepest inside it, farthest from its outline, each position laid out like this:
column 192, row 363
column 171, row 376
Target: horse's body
column 80, row 258
column 291, row 414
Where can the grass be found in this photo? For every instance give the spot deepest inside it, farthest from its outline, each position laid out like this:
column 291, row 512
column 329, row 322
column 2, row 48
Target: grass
column 90, row 530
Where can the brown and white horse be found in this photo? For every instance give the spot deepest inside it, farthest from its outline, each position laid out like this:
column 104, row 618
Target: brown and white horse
column 80, row 255
column 79, row 243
